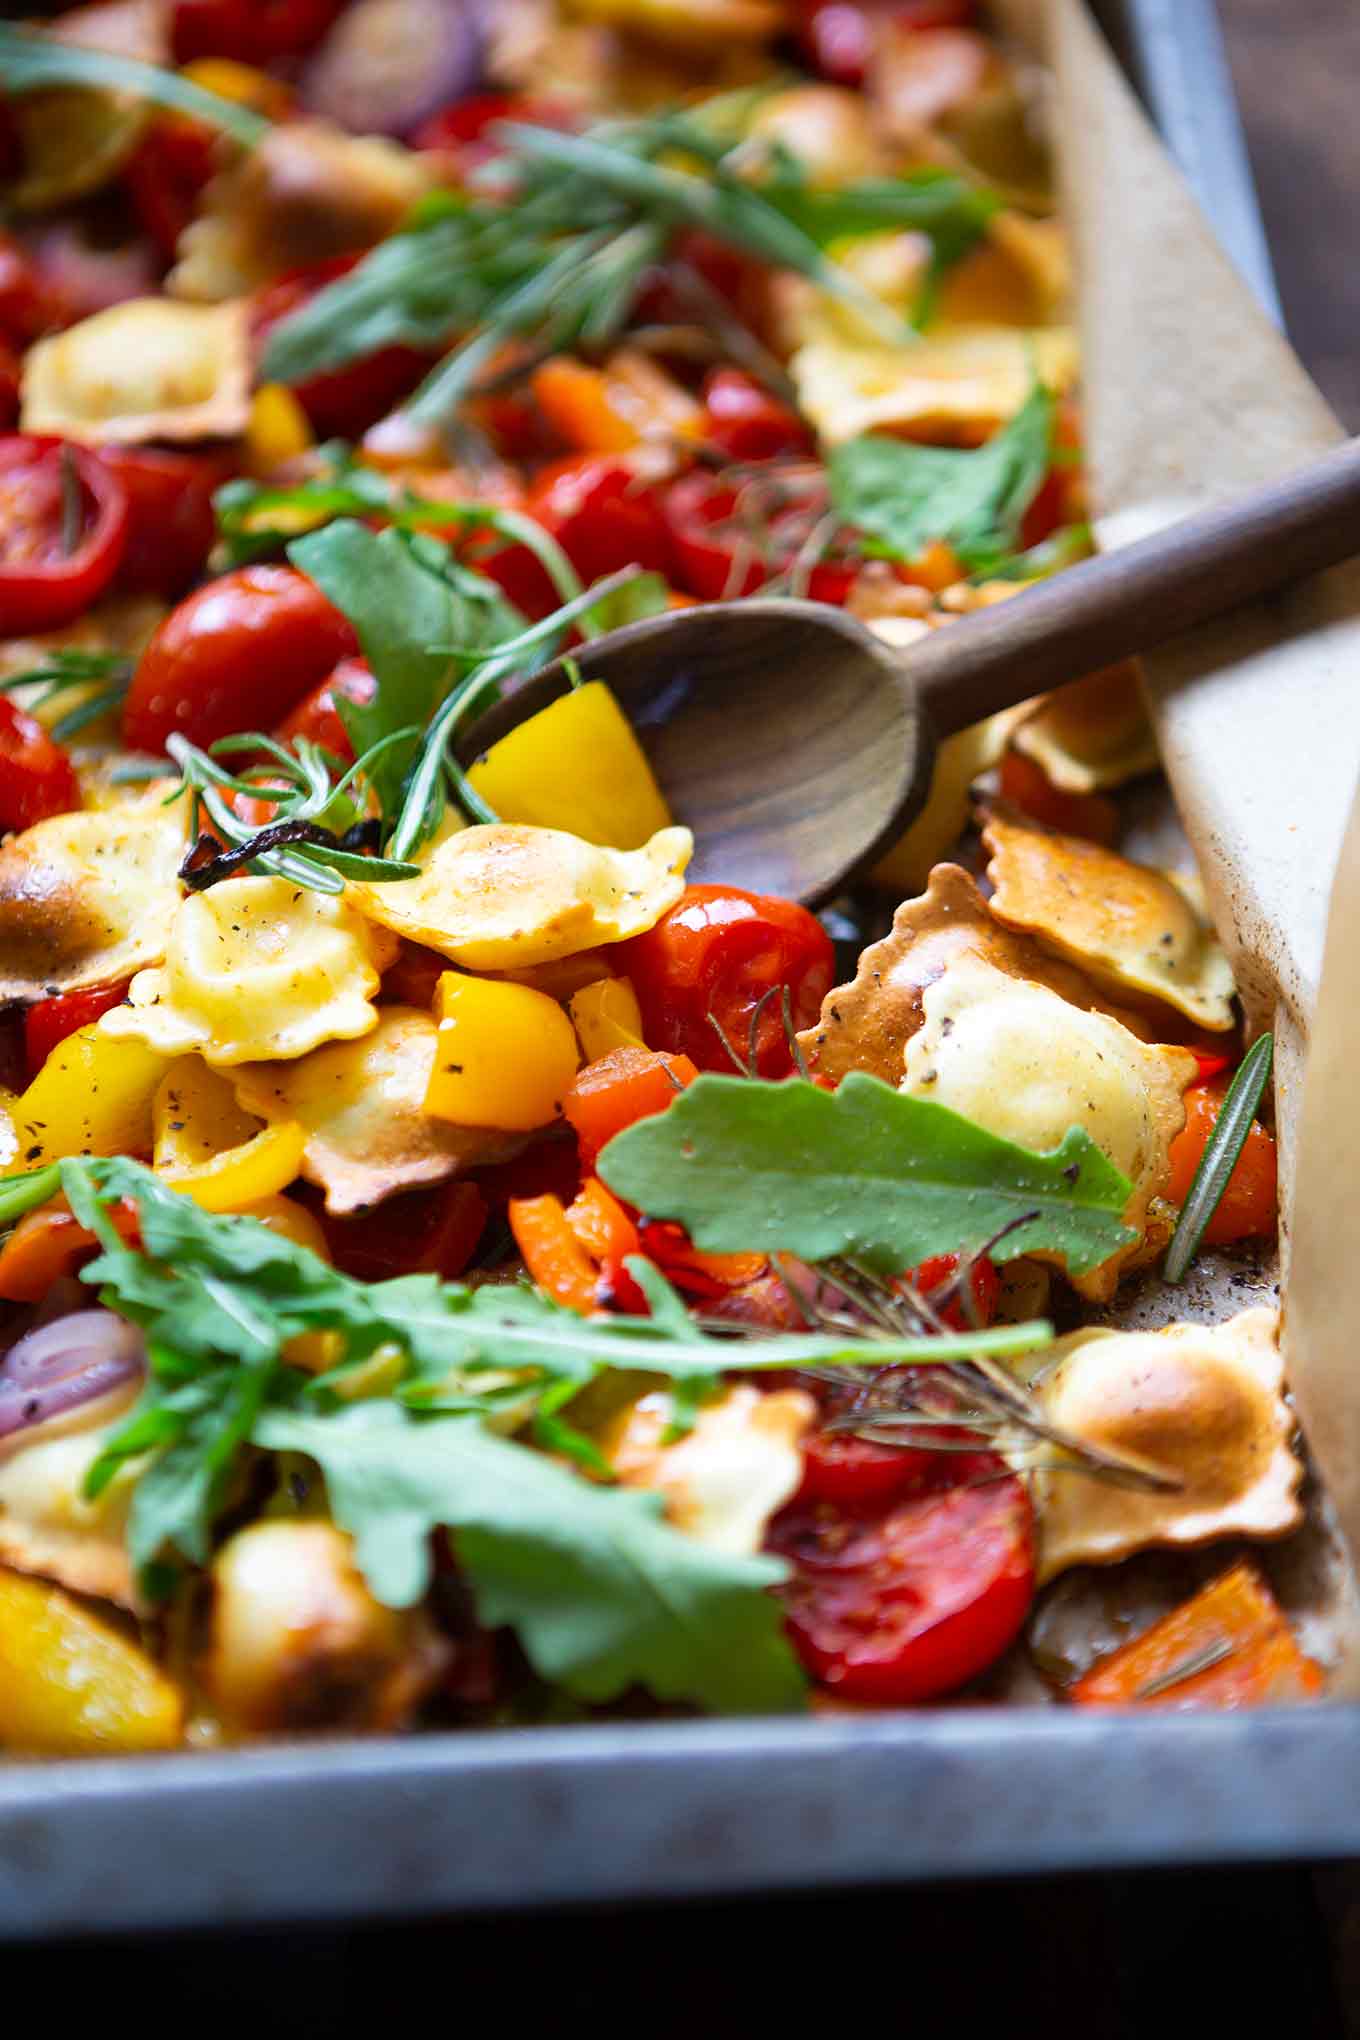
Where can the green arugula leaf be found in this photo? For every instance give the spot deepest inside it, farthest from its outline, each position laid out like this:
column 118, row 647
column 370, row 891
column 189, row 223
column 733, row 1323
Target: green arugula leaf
column 902, row 496
column 601, row 1593
column 951, row 211
column 863, row 1171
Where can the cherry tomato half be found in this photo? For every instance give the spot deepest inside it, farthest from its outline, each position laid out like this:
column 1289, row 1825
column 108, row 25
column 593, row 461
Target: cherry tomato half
column 24, row 308
column 719, row 951
column 721, row 554
column 232, row 655
column 747, row 422
column 37, row 778
column 341, row 403
column 11, row 382
column 908, row 1604
column 51, row 1020
column 171, row 524
column 601, row 515
column 317, row 718
column 50, row 574
column 249, row 31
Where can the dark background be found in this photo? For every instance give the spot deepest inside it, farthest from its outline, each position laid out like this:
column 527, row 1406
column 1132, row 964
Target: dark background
column 1151, row 1957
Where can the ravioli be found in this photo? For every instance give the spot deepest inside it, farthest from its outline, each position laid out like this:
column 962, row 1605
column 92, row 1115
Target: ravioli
column 361, row 1103
column 1019, row 1060
column 866, row 1024
column 143, row 370
column 306, row 193
column 256, row 969
column 1131, row 929
column 47, row 1526
column 724, row 1479
column 504, row 897
column 959, row 385
column 86, row 898
column 1203, row 1403
column 1092, row 734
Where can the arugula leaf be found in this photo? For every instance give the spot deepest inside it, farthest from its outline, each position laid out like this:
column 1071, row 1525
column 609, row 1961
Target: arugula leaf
column 951, row 211
column 602, row 1594
column 864, row 1171
column 902, row 495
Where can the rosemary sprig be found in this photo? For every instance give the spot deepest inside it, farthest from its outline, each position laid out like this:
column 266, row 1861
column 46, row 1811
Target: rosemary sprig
column 1189, row 1668
column 1219, row 1159
column 36, row 63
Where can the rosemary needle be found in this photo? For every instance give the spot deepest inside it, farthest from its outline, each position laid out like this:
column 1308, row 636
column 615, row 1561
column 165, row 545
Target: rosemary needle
column 1220, row 1155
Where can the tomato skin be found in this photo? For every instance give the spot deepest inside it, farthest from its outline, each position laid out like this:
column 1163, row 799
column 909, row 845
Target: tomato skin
column 940, row 1270
column 712, row 561
column 42, row 586
column 343, row 402
column 461, row 129
column 1026, row 785
column 249, row 31
column 602, row 517
column 317, row 718
column 857, row 1473
column 231, row 654
column 50, row 1021
column 1248, row 1208
column 747, row 422
column 37, row 779
column 171, row 523
column 421, row 1232
column 11, row 381
column 717, row 952
column 908, row 1604
column 24, row 308
column 166, row 176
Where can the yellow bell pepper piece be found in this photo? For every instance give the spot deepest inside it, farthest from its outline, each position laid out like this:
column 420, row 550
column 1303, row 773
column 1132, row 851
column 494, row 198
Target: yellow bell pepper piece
column 504, row 1055
column 606, row 1016
column 195, row 1116
column 93, row 1096
column 70, row 1685
column 241, row 83
column 577, row 766
column 277, row 431
column 241, row 1176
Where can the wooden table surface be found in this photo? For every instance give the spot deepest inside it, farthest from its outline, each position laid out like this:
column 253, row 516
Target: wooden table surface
column 1296, row 64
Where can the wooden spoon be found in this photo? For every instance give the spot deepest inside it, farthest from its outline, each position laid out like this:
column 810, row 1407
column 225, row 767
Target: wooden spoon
column 797, row 746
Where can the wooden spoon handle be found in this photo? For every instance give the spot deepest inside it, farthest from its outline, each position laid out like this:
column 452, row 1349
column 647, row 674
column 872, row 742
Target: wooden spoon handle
column 1136, row 598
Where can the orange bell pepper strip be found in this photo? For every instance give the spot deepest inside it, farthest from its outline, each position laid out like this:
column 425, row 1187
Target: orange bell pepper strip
column 553, row 1254
column 614, row 408
column 626, row 1085
column 1228, row 1647
column 601, row 1224
column 48, row 1244
column 1028, row 787
column 1248, row 1208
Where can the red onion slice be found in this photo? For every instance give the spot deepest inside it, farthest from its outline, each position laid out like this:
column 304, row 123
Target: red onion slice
column 387, row 65
column 61, row 1365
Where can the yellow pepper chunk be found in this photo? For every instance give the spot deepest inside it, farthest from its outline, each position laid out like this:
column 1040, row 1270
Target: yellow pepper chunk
column 93, row 1096
column 195, row 1117
column 277, row 431
column 606, row 1016
column 504, row 1055
column 577, row 766
column 241, row 1176
column 241, row 83
column 70, row 1685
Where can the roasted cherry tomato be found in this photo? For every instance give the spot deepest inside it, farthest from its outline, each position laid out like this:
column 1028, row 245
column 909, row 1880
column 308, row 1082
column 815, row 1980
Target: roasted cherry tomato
column 11, row 381
column 343, row 402
column 171, row 525
column 37, row 779
column 857, row 1474
column 24, row 308
column 1026, row 785
column 63, row 528
column 908, row 1603
column 317, row 717
column 51, row 1020
column 1248, row 1208
column 249, row 31
column 940, row 1272
column 718, row 952
column 461, row 129
column 431, row 1232
column 838, row 36
column 747, row 422
column 232, row 655
column 601, row 515
column 721, row 553
column 167, row 174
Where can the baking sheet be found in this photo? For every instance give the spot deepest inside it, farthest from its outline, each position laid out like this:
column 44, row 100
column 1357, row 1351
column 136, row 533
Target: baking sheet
column 653, row 1810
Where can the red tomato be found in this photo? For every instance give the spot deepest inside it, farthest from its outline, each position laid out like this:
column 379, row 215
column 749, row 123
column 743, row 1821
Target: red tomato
column 343, row 402
column 317, row 717
column 939, row 1272
column 856, row 1474
column 714, row 556
column 166, row 177
column 839, row 35
column 171, row 523
column 718, row 951
column 601, row 515
column 248, row 31
column 37, row 778
column 51, row 1020
column 24, row 309
column 232, row 655
column 462, row 128
column 422, row 1232
column 11, row 378
column 1249, row 1207
column 747, row 422
column 912, row 1602
column 48, row 578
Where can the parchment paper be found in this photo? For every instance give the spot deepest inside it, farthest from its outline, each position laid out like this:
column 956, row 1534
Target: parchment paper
column 1191, row 395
